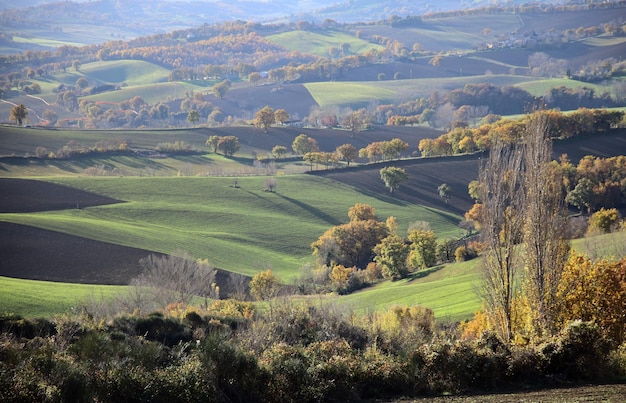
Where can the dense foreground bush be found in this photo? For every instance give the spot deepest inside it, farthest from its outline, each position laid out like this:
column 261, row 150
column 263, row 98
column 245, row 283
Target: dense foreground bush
column 294, row 353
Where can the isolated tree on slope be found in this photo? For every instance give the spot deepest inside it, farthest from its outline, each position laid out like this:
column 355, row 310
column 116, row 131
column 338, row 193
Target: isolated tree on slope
column 444, row 191
column 281, row 116
column 228, row 145
column 220, row 89
column 18, row 113
column 213, row 142
column 393, row 177
column 304, row 144
column 193, row 116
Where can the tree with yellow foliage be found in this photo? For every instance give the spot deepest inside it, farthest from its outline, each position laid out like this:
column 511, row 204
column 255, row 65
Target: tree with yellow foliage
column 264, row 285
column 594, row 291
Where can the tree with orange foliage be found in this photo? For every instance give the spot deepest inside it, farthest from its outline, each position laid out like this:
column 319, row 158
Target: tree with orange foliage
column 351, row 244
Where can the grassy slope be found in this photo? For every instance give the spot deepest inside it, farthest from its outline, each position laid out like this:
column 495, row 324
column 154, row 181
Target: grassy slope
column 344, row 93
column 137, row 78
column 212, row 219
column 31, row 298
column 542, row 86
column 318, row 43
column 151, row 93
column 450, row 33
column 74, row 33
column 448, row 290
column 131, row 72
column 19, row 141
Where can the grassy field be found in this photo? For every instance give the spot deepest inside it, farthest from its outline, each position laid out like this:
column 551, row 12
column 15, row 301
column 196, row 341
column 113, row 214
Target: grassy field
column 319, row 43
column 19, row 141
column 212, row 219
column 128, row 165
column 73, row 33
column 137, row 78
column 449, row 290
column 30, row 298
column 451, row 33
column 131, row 72
column 345, row 93
column 541, row 87
column 151, row 93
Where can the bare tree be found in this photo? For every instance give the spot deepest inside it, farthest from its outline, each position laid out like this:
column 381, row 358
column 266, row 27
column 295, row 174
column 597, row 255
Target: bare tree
column 175, row 278
column 501, row 224
column 545, row 246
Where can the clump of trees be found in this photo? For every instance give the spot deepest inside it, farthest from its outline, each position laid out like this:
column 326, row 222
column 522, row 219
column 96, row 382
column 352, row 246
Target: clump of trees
column 558, row 125
column 175, row 147
column 365, row 250
column 384, row 150
column 74, row 149
column 227, row 145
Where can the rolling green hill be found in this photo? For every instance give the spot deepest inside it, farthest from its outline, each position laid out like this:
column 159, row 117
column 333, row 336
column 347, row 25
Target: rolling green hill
column 131, row 72
column 117, row 72
column 236, row 229
column 361, row 93
column 318, row 43
column 449, row 290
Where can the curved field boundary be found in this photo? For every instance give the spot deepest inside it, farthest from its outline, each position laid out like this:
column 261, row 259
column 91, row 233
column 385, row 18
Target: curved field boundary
column 38, row 254
column 27, row 196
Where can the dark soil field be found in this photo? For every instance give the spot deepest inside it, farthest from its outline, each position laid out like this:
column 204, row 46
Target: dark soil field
column 610, row 393
column 38, row 254
column 27, row 196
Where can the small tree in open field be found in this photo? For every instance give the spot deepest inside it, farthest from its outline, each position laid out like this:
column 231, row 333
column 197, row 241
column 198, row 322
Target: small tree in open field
column 18, row 113
column 444, row 191
column 393, row 177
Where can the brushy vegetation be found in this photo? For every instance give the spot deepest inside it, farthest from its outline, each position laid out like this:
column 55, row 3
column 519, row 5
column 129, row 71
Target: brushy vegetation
column 292, row 353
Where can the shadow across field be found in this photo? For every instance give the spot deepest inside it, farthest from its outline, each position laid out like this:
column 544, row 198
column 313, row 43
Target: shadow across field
column 312, row 210
column 27, row 196
column 38, row 254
